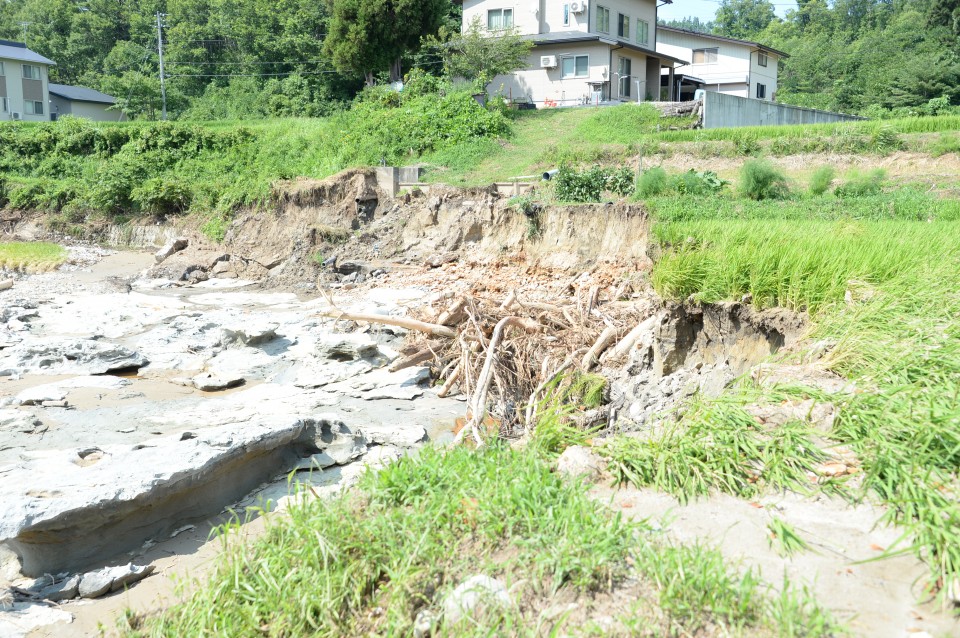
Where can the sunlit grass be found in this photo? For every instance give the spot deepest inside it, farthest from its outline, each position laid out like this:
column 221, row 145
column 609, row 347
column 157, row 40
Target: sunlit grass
column 368, row 562
column 31, row 256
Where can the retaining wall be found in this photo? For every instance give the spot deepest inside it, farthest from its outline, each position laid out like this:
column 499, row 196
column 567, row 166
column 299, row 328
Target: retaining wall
column 723, row 111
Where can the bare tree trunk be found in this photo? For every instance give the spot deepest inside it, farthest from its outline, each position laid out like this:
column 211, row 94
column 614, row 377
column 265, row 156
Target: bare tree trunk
column 396, row 72
column 368, row 78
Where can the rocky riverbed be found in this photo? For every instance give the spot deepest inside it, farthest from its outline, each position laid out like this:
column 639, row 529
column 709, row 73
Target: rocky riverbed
column 132, row 409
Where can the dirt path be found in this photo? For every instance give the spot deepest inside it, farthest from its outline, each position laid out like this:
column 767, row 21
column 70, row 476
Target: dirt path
column 871, row 597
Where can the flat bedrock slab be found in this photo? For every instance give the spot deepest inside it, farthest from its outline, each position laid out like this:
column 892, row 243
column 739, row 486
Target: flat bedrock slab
column 73, row 512
column 68, row 356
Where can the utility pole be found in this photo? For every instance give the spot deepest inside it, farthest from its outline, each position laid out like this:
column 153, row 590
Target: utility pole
column 163, row 84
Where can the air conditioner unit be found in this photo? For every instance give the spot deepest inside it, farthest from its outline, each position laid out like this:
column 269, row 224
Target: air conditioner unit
column 15, row 116
column 578, row 7
column 548, row 61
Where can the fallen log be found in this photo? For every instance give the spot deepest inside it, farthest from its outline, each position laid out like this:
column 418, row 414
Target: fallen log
column 607, row 337
column 626, row 344
column 400, row 322
column 450, row 382
column 414, row 359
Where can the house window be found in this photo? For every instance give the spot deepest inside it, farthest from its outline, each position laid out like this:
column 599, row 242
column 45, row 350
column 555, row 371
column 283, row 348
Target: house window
column 499, row 19
column 762, row 58
column 575, row 66
column 4, row 105
column 603, row 19
column 623, row 26
column 566, row 15
column 31, row 72
column 623, row 70
column 643, row 32
column 761, row 91
column 31, row 107
column 705, row 56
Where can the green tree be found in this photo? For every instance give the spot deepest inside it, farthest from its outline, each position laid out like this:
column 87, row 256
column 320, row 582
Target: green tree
column 743, row 19
column 475, row 56
column 367, row 36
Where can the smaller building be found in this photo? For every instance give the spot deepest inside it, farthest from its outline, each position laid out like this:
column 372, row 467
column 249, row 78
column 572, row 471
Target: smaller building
column 725, row 65
column 23, row 83
column 80, row 101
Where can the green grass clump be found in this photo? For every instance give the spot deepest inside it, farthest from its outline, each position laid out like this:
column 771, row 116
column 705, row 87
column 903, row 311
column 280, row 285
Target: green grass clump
column 415, row 530
column 759, row 179
column 653, row 181
column 34, row 256
column 821, row 179
column 861, row 185
column 785, row 538
column 945, row 144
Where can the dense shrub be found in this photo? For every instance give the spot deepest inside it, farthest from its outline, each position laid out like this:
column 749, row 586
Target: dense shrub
column 698, row 183
column 862, row 185
column 652, row 182
column 162, row 196
column 821, row 179
column 171, row 167
column 589, row 185
column 759, row 179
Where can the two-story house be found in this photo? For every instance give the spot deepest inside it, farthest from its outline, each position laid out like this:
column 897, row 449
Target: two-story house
column 584, row 52
column 725, row 65
column 24, row 93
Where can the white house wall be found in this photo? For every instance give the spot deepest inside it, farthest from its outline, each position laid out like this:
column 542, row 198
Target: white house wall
column 766, row 75
column 537, row 84
column 635, row 10
column 525, row 19
column 13, row 72
column 737, row 70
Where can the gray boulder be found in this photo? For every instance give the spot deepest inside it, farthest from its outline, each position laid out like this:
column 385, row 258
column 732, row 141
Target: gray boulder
column 171, row 247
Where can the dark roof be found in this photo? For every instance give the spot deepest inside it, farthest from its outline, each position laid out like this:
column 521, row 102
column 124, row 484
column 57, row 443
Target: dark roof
column 564, row 37
column 11, row 50
column 721, row 38
column 80, row 94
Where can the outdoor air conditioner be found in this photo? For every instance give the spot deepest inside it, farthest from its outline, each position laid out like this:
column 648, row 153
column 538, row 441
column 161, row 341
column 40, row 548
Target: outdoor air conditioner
column 578, row 7
column 15, row 115
column 548, row 61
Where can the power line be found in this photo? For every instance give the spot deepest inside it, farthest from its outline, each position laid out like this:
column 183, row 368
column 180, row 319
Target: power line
column 251, row 62
column 250, row 75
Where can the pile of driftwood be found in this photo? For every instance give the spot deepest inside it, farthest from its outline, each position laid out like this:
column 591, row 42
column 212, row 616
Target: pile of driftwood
column 504, row 353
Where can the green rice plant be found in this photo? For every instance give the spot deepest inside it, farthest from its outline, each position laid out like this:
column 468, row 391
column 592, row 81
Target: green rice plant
column 905, row 204
column 797, row 264
column 759, row 179
column 861, row 184
column 653, row 181
column 785, row 538
column 821, row 179
column 34, row 256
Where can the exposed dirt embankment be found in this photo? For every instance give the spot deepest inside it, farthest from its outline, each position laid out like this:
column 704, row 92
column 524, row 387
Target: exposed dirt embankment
column 348, row 217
